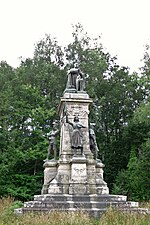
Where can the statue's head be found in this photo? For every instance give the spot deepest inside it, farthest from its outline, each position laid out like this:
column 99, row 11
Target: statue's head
column 54, row 124
column 76, row 65
column 76, row 119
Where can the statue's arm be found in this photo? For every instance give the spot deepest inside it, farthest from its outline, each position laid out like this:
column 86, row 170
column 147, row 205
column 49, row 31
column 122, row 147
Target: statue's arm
column 57, row 131
column 68, row 121
column 81, row 125
column 48, row 135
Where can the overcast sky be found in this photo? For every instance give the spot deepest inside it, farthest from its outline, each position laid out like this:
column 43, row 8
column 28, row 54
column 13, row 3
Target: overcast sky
column 124, row 25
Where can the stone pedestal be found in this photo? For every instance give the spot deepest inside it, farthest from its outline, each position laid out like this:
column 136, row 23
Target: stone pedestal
column 78, row 182
column 79, row 174
column 101, row 185
column 60, row 184
column 91, row 176
column 50, row 172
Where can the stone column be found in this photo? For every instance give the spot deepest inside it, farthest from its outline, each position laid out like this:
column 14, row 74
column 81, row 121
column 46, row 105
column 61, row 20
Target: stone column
column 75, row 104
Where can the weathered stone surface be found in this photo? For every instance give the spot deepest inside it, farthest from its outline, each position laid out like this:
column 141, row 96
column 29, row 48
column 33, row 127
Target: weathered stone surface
column 79, row 174
column 74, row 104
column 50, row 172
column 94, row 204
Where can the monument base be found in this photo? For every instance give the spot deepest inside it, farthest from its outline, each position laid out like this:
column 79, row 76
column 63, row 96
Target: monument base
column 94, row 205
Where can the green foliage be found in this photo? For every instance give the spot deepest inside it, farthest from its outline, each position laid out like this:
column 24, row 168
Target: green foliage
column 29, row 98
column 142, row 114
column 135, row 180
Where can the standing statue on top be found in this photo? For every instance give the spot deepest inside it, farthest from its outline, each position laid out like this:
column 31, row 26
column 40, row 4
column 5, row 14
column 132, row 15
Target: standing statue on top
column 52, row 141
column 93, row 143
column 76, row 137
column 76, row 80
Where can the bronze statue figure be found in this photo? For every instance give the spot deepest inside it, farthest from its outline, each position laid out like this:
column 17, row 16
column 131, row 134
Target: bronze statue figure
column 76, row 137
column 76, row 80
column 93, row 143
column 52, row 141
column 80, row 81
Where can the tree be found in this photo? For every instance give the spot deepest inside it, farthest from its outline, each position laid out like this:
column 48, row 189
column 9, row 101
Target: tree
column 135, row 180
column 31, row 95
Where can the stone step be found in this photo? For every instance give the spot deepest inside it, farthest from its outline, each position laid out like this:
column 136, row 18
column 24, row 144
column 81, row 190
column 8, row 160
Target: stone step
column 81, row 198
column 68, row 204
column 93, row 204
column 94, row 212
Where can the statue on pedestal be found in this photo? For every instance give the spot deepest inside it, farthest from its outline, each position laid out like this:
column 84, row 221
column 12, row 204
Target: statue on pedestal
column 76, row 137
column 80, row 81
column 76, row 80
column 52, row 141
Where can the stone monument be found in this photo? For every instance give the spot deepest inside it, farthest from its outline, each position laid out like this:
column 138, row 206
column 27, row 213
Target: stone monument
column 77, row 171
column 75, row 181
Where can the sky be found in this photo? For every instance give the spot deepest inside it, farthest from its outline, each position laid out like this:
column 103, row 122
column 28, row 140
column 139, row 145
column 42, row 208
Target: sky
column 124, row 26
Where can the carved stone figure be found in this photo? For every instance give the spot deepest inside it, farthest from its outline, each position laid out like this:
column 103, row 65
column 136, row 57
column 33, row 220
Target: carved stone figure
column 76, row 137
column 72, row 76
column 93, row 143
column 80, row 82
column 76, row 80
column 52, row 141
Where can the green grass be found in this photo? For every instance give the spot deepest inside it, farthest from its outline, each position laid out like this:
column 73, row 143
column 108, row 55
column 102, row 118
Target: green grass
column 111, row 217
